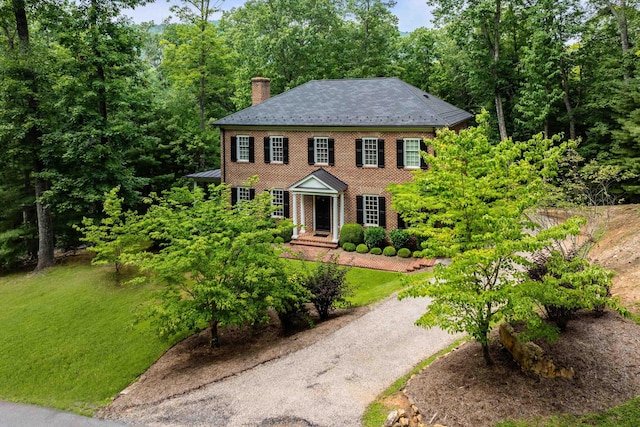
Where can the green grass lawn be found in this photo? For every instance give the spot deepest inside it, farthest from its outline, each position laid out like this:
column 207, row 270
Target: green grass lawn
column 68, row 340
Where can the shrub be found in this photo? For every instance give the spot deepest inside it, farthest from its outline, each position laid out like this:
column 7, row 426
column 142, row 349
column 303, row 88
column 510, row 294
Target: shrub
column 417, row 254
column 362, row 248
column 375, row 237
column 351, row 233
column 404, row 253
column 389, row 251
column 291, row 306
column 278, row 240
column 328, row 287
column 399, row 238
column 349, row 247
column 376, row 251
column 286, row 233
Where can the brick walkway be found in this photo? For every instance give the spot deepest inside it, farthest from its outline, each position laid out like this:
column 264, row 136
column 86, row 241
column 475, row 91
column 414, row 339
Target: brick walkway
column 354, row 259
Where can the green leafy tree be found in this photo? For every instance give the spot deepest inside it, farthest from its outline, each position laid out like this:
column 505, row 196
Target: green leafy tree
column 113, row 238
column 215, row 261
column 472, row 206
column 328, row 286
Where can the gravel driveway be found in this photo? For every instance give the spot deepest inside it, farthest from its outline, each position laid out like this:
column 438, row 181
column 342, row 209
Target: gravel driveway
column 329, row 383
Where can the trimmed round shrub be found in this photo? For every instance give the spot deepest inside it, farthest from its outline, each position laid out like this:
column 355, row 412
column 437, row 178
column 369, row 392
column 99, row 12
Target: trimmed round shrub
column 278, row 240
column 352, row 233
column 399, row 238
column 286, row 234
column 389, row 251
column 404, row 253
column 349, row 247
column 375, row 237
column 417, row 254
column 362, row 248
column 376, row 251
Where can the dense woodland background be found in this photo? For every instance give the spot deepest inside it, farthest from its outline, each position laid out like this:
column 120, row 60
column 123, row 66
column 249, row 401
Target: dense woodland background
column 89, row 101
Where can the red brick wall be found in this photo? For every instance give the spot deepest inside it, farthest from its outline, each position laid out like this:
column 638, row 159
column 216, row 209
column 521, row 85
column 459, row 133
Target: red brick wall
column 361, row 180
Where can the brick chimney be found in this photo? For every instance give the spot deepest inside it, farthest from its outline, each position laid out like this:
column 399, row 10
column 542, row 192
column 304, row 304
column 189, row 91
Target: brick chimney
column 260, row 90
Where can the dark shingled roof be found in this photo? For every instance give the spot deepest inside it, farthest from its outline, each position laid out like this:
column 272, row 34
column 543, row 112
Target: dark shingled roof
column 330, row 179
column 350, row 102
column 211, row 175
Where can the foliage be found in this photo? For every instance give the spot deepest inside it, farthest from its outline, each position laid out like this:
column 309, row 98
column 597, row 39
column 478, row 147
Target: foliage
column 278, row 240
column 375, row 237
column 216, row 263
column 362, row 248
column 352, row 232
column 404, row 253
column 349, row 247
column 417, row 254
column 376, row 251
column 560, row 285
column 389, row 251
column 471, row 205
column 86, row 349
column 399, row 238
column 329, row 287
column 286, row 232
column 113, row 238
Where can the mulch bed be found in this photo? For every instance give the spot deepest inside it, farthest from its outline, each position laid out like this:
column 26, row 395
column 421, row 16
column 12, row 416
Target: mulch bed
column 459, row 389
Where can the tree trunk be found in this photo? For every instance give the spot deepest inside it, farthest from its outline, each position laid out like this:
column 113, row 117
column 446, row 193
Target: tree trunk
column 485, row 353
column 45, row 228
column 620, row 14
column 215, row 340
column 567, row 101
column 32, row 139
column 495, row 49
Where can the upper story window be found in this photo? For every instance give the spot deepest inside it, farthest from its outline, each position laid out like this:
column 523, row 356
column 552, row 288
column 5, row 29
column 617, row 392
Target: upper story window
column 240, row 194
column 321, row 151
column 370, row 152
column 411, row 153
column 243, row 148
column 408, row 152
column 276, row 149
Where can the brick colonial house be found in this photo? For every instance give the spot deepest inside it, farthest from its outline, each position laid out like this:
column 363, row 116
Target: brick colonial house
column 328, row 149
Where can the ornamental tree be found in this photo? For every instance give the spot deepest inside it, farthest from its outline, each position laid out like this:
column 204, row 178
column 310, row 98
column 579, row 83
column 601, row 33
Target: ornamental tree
column 215, row 261
column 471, row 206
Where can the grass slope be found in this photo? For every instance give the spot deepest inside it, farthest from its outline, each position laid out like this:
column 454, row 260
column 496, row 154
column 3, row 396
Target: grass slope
column 68, row 339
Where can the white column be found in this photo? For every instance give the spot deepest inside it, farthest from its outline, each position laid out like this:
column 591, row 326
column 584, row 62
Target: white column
column 295, row 215
column 303, row 229
column 334, row 217
column 341, row 210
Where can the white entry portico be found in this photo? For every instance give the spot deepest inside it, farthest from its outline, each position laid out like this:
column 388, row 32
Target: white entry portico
column 327, row 192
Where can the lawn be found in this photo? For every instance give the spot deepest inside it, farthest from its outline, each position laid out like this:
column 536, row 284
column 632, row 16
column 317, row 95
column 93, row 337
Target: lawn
column 68, row 339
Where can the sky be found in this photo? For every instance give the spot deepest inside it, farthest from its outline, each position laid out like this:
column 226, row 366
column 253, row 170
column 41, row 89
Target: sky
column 411, row 14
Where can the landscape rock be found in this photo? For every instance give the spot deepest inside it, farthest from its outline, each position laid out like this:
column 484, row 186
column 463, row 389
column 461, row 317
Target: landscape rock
column 392, row 418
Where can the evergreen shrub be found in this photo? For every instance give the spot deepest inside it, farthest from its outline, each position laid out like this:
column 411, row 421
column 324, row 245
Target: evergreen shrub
column 362, row 248
column 404, row 253
column 352, row 233
column 389, row 251
column 376, row 251
column 349, row 247
column 375, row 237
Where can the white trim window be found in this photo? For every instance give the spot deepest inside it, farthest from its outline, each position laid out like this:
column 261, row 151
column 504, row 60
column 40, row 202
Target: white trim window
column 412, row 153
column 277, row 199
column 244, row 194
column 370, row 151
column 277, row 149
column 242, row 142
column 321, row 150
column 371, row 212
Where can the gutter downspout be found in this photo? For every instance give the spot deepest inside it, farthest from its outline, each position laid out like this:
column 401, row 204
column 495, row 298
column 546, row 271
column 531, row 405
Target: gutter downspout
column 223, row 156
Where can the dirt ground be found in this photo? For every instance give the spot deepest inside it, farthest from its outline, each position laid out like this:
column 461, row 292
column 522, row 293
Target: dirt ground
column 456, row 390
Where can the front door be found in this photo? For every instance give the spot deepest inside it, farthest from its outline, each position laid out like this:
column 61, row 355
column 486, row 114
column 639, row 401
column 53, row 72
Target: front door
column 323, row 213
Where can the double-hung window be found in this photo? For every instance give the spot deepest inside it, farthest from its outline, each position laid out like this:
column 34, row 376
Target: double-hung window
column 277, row 149
column 370, row 210
column 242, row 142
column 244, row 193
column 321, row 150
column 412, row 153
column 277, row 199
column 370, row 151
